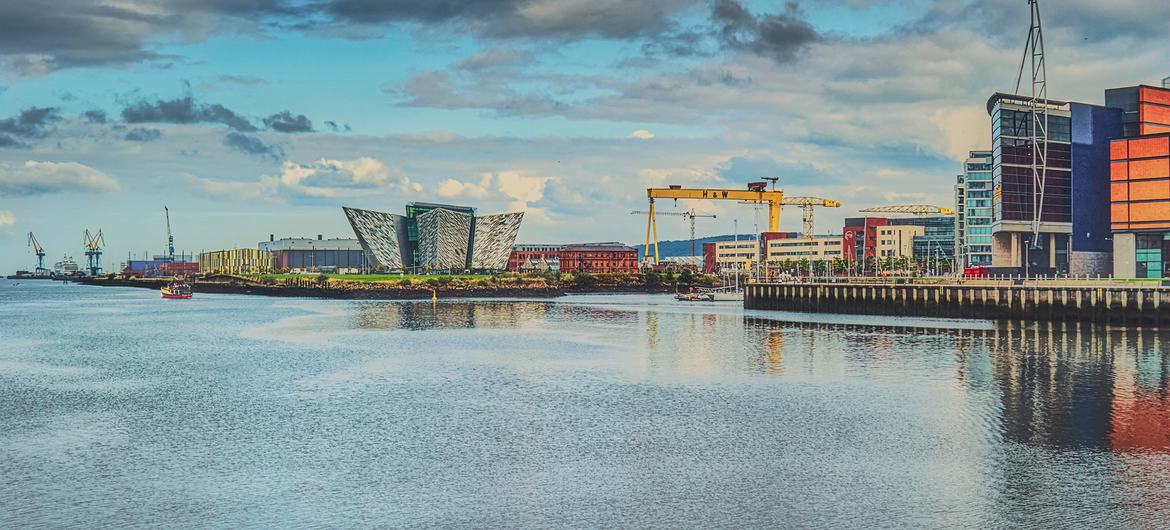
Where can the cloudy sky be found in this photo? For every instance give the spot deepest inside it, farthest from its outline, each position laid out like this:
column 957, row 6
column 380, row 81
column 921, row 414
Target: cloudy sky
column 251, row 117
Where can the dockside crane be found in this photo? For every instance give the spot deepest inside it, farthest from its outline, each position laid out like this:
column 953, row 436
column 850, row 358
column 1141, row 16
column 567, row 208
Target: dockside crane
column 913, row 209
column 93, row 251
column 756, row 192
column 170, row 238
column 40, row 253
column 690, row 215
column 809, row 205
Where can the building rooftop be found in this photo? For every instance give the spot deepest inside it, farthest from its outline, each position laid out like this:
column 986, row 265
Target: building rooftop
column 607, row 246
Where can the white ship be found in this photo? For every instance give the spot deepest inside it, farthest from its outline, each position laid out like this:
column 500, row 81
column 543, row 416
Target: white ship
column 67, row 266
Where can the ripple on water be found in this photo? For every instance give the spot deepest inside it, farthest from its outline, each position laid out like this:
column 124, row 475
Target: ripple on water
column 625, row 411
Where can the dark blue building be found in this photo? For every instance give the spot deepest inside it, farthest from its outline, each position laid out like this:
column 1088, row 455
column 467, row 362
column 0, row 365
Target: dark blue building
column 1093, row 127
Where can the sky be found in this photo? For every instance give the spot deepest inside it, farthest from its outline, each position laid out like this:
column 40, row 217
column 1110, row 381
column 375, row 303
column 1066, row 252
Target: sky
column 255, row 117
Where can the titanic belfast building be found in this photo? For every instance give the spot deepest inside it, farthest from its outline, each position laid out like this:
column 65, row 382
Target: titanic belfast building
column 436, row 237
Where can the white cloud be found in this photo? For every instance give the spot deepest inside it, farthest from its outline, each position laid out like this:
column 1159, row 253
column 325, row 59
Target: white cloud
column 7, row 218
column 451, row 188
column 37, row 178
column 642, row 134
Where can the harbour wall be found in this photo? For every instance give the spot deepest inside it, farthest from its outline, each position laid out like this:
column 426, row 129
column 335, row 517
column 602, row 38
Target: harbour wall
column 1136, row 305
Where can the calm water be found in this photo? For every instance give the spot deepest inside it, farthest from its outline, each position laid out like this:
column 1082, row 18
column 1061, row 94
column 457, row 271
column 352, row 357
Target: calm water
column 120, row 409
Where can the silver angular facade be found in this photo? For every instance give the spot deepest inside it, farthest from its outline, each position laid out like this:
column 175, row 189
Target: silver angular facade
column 443, row 239
column 382, row 235
column 494, row 237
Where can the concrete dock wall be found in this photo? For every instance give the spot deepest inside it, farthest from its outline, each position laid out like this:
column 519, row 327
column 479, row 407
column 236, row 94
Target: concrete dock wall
column 1116, row 305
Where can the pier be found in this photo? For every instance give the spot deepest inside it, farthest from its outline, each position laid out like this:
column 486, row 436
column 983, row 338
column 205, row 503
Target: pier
column 1109, row 304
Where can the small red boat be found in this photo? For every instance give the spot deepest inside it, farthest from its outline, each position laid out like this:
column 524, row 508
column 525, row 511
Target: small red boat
column 177, row 290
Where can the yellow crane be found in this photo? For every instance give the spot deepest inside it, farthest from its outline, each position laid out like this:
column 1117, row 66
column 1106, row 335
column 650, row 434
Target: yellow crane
column 690, row 215
column 756, row 192
column 916, row 209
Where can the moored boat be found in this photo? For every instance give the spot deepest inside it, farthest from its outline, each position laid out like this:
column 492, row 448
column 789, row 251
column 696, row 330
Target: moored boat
column 177, row 290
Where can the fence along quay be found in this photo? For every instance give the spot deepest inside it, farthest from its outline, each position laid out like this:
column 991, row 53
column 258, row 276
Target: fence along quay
column 1107, row 304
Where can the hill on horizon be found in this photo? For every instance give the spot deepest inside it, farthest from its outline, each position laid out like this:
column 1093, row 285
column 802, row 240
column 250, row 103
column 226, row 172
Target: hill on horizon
column 682, row 247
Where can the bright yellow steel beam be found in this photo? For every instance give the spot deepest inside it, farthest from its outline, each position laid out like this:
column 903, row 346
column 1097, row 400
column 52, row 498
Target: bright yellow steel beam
column 774, row 199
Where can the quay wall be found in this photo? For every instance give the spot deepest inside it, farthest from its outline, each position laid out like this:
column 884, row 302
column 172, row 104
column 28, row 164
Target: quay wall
column 1141, row 305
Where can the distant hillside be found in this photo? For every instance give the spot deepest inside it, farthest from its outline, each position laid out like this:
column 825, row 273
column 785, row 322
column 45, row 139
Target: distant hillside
column 682, row 247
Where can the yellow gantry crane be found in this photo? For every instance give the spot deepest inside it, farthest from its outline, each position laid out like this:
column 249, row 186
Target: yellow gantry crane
column 689, row 215
column 756, row 193
column 915, row 209
column 808, row 204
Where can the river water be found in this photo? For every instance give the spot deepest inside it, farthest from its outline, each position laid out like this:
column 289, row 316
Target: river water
column 119, row 409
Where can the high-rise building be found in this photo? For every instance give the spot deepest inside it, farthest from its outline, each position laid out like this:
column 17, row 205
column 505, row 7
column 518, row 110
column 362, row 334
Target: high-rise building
column 973, row 211
column 1016, row 196
column 1140, row 183
column 1072, row 235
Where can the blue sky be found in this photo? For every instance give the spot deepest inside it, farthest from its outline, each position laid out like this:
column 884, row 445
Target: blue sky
column 251, row 117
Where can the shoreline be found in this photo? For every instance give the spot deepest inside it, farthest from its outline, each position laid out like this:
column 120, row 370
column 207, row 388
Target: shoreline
column 377, row 291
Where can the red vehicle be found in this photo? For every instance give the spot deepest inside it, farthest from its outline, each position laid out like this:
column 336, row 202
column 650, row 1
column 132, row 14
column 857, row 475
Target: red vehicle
column 975, row 272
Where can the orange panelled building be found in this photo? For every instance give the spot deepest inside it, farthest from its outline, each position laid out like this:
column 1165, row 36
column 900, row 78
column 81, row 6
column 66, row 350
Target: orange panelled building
column 1139, row 183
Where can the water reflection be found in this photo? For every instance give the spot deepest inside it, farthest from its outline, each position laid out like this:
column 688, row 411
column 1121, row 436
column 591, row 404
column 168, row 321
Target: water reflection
column 447, row 315
column 1062, row 386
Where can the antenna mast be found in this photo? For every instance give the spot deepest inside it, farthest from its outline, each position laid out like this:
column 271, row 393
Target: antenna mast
column 1038, row 110
column 170, row 238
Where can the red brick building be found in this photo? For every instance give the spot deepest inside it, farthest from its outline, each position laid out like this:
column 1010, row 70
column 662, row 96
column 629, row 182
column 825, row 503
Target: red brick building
column 526, row 258
column 599, row 258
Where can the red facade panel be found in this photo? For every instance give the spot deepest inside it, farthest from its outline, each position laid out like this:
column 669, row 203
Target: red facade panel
column 1149, row 190
column 1119, row 191
column 1119, row 170
column 1151, row 168
column 1149, row 211
column 1155, row 114
column 1149, row 147
column 1154, row 95
column 1154, row 128
column 1119, row 150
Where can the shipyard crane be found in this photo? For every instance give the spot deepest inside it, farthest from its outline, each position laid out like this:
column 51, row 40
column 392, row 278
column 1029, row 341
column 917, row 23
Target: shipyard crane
column 1037, row 66
column 170, row 238
column 756, row 192
column 808, row 204
column 40, row 253
column 915, row 209
column 93, row 251
column 689, row 215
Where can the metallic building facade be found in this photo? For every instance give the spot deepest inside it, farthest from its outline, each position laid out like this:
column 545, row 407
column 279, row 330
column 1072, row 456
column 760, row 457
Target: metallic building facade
column 494, row 237
column 436, row 237
column 382, row 235
column 443, row 239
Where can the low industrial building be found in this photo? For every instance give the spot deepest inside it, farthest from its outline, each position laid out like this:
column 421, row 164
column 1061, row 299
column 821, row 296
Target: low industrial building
column 316, row 255
column 236, row 261
column 435, row 237
column 535, row 258
column 599, row 258
column 725, row 257
column 161, row 266
column 817, row 247
column 897, row 241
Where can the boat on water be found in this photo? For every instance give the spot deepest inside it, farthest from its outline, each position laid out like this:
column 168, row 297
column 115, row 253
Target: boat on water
column 177, row 290
column 66, row 267
column 720, row 294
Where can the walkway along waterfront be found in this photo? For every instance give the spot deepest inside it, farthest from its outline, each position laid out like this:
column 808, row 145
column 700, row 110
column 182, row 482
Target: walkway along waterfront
column 1138, row 305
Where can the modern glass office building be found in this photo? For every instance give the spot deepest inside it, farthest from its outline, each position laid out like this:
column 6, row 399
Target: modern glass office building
column 973, row 211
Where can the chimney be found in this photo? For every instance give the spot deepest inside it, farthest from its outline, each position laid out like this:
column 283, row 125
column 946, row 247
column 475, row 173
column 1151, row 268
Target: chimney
column 271, row 237
column 1166, row 82
column 318, row 237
